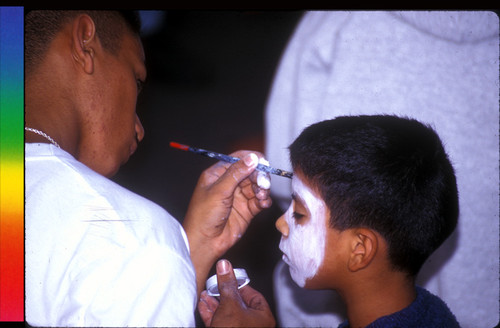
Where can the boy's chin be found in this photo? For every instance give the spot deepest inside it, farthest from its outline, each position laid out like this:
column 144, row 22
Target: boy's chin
column 302, row 282
column 297, row 277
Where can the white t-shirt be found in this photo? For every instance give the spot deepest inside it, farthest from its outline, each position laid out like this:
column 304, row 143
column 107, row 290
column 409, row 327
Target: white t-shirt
column 97, row 254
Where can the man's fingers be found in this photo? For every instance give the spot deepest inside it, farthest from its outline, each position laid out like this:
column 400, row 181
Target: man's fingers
column 248, row 309
column 237, row 173
column 226, row 281
column 207, row 307
column 253, row 298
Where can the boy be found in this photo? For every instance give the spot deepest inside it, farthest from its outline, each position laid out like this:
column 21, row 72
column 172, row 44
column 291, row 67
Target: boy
column 373, row 197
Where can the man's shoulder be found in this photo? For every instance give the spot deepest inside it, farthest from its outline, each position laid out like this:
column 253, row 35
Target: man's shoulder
column 47, row 165
column 54, row 176
column 58, row 183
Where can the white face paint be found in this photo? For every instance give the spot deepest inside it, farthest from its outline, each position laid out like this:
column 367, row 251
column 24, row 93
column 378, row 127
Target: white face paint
column 304, row 247
column 263, row 178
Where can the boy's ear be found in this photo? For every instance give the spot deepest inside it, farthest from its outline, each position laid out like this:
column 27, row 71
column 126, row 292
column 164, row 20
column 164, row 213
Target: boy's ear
column 84, row 41
column 363, row 247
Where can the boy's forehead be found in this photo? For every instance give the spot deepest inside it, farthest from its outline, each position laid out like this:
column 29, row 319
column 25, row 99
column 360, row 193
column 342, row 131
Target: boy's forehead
column 302, row 189
column 308, row 198
column 301, row 182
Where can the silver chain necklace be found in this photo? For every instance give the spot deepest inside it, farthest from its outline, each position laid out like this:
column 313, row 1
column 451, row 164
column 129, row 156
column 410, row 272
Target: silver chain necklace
column 43, row 134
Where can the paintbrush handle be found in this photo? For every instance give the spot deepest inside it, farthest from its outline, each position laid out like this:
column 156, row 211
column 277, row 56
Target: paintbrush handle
column 229, row 159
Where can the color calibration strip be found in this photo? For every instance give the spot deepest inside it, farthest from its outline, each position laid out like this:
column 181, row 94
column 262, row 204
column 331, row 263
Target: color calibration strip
column 11, row 164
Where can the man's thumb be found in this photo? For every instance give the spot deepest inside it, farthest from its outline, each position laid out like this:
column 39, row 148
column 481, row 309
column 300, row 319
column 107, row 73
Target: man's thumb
column 226, row 281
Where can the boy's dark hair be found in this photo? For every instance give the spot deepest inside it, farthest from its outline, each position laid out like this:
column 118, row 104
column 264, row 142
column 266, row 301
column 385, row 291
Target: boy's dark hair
column 41, row 26
column 386, row 173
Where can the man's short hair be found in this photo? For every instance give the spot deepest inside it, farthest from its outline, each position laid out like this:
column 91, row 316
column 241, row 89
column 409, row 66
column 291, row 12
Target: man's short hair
column 41, row 26
column 386, row 173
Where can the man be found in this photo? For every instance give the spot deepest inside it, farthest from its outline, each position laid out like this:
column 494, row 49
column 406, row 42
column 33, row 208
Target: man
column 96, row 253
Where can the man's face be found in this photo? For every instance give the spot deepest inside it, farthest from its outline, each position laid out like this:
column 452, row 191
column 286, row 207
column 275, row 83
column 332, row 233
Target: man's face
column 115, row 128
column 303, row 228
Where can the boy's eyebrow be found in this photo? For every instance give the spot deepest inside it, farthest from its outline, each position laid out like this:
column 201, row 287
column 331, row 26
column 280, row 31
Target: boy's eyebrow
column 296, row 198
column 299, row 202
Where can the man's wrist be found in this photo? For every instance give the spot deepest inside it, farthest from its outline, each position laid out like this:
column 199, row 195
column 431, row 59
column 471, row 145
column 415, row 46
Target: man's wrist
column 203, row 257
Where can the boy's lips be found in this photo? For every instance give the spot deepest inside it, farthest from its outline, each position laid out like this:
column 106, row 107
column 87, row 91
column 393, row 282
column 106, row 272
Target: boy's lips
column 285, row 258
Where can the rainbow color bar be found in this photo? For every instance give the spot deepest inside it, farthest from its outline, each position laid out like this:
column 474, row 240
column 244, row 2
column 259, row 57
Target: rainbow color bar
column 11, row 164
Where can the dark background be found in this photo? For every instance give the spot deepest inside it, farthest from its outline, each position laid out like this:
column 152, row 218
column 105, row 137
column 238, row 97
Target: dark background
column 209, row 76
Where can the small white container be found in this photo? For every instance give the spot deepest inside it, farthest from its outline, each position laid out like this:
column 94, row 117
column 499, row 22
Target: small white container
column 241, row 277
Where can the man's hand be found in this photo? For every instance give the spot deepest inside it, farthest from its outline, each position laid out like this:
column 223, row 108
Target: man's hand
column 244, row 308
column 224, row 202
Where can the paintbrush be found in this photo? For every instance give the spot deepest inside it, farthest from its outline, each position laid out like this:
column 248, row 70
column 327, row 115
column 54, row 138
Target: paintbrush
column 229, row 159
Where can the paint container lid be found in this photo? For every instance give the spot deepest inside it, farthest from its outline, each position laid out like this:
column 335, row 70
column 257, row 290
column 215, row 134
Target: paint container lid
column 241, row 277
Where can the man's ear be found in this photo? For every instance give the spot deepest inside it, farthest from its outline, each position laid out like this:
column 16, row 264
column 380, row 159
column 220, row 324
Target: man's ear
column 363, row 248
column 84, row 41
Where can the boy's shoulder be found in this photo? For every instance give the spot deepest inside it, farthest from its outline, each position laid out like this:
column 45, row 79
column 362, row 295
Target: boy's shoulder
column 427, row 310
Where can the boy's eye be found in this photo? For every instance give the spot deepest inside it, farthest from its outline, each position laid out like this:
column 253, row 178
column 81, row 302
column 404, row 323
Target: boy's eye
column 297, row 216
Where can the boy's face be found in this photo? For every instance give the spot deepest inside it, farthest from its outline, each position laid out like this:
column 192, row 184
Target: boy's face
column 303, row 227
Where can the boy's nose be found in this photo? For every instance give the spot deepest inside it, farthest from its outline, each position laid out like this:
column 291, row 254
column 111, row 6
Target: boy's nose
column 282, row 226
